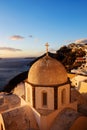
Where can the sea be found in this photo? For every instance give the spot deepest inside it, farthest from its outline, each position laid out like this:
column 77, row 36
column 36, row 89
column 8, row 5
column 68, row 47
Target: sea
column 11, row 67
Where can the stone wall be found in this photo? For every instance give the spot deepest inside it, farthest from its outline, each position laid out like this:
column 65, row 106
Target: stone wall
column 21, row 118
column 9, row 101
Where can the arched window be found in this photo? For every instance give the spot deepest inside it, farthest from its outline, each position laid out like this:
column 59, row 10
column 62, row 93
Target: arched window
column 44, row 98
column 63, row 96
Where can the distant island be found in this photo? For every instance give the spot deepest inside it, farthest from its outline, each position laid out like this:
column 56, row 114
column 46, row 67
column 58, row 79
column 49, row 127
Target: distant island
column 29, row 57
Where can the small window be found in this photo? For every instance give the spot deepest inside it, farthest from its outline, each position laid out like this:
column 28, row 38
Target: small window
column 44, row 99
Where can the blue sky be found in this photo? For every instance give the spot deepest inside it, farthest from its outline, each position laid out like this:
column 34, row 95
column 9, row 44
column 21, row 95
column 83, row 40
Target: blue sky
column 26, row 25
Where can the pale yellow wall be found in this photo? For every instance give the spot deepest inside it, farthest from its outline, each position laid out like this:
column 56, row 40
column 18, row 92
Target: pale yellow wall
column 76, row 81
column 67, row 97
column 28, row 93
column 83, row 87
column 50, row 97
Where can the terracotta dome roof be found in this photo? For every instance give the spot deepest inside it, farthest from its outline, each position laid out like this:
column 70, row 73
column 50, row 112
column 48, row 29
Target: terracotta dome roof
column 80, row 124
column 47, row 71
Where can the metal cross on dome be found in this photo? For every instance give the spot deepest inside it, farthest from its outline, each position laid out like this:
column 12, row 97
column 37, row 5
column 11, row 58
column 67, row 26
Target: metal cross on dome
column 47, row 45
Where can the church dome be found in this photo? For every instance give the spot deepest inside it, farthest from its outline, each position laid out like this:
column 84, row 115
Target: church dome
column 47, row 71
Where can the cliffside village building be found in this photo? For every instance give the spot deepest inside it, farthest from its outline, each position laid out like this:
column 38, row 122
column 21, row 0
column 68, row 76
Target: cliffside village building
column 80, row 80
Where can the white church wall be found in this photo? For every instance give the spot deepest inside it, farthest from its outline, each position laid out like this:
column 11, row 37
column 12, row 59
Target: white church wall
column 65, row 97
column 28, row 93
column 50, row 97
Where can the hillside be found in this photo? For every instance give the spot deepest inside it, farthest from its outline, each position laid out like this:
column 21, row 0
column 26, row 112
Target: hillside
column 66, row 55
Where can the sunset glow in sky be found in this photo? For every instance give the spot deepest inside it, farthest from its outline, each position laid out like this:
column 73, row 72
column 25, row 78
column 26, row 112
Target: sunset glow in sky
column 26, row 25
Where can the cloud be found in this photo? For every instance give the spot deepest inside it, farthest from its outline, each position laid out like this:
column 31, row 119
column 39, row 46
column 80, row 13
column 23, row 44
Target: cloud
column 9, row 49
column 81, row 41
column 16, row 37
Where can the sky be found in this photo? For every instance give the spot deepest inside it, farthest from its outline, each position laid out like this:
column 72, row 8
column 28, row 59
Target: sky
column 27, row 25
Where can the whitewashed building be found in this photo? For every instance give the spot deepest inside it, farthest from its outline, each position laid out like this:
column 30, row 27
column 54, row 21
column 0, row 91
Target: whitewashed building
column 80, row 82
